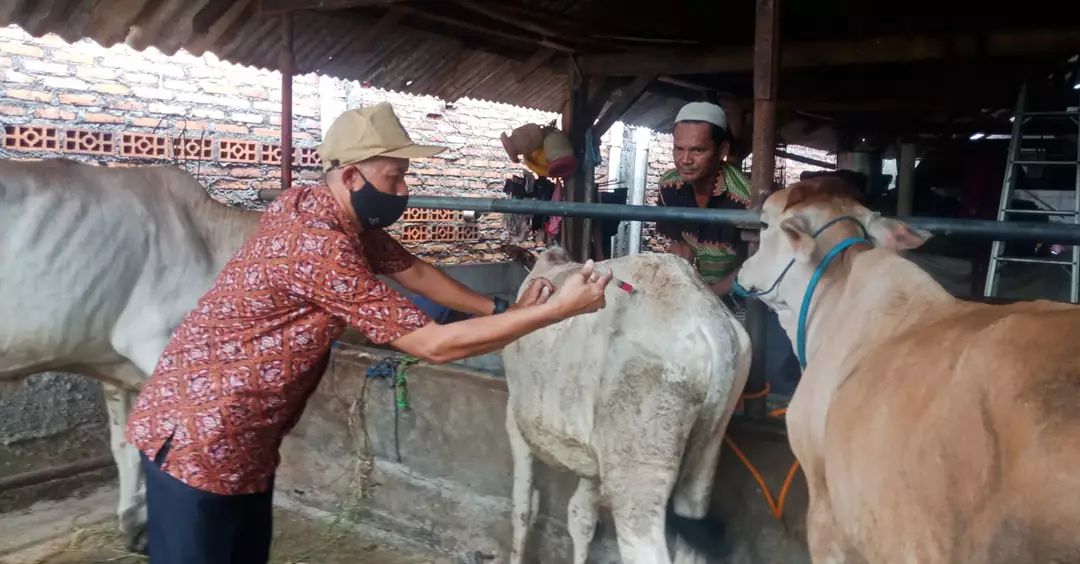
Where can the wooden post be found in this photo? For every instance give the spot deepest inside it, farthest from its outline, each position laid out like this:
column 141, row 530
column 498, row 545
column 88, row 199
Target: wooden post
column 287, row 64
column 575, row 230
column 905, row 184
column 766, row 66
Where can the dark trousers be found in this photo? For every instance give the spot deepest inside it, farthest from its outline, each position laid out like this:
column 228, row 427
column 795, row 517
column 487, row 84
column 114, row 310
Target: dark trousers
column 191, row 526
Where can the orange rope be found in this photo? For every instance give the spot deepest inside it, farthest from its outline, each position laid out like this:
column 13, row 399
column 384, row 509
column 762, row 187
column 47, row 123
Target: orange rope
column 776, row 505
column 755, row 395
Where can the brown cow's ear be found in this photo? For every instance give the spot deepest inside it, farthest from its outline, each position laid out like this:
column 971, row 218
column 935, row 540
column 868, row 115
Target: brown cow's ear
column 894, row 234
column 802, row 243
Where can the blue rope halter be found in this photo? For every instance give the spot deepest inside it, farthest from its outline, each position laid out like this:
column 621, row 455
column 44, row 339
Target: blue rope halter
column 804, row 309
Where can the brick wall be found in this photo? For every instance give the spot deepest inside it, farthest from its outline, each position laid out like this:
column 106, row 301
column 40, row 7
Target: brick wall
column 221, row 122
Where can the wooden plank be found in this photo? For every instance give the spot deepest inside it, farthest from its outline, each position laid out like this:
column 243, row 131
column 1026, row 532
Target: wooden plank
column 538, row 58
column 623, row 100
column 280, row 6
column 875, row 50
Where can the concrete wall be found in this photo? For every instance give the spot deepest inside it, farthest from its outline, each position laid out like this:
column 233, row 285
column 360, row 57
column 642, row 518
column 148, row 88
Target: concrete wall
column 452, row 487
column 47, row 420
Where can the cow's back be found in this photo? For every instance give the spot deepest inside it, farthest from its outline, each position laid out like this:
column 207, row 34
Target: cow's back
column 670, row 346
column 81, row 244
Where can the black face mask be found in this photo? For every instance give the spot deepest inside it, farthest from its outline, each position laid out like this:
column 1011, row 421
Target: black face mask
column 376, row 209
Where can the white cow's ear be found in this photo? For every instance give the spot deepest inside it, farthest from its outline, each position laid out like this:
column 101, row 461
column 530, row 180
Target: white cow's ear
column 802, row 243
column 894, row 234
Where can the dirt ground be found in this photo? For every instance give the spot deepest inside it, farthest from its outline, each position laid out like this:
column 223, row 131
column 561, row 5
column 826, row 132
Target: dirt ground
column 79, row 531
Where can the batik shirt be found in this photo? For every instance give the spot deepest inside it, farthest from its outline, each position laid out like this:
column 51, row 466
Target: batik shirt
column 240, row 367
column 713, row 245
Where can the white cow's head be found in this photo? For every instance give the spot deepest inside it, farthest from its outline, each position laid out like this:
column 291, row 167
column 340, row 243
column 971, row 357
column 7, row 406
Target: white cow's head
column 554, row 256
column 803, row 222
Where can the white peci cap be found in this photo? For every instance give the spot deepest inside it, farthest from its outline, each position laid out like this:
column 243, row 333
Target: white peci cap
column 703, row 111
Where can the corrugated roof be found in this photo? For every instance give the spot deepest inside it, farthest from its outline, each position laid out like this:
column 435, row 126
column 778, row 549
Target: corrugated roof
column 476, row 48
column 409, row 59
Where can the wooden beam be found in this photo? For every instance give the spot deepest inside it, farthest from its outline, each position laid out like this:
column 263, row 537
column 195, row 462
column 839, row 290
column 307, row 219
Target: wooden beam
column 270, row 7
column 538, row 58
column 877, row 50
column 623, row 100
column 601, row 97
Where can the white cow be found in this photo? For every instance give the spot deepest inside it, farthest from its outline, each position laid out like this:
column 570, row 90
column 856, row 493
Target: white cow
column 97, row 267
column 634, row 399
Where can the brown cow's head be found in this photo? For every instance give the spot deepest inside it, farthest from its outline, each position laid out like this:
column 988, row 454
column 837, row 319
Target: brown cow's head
column 790, row 223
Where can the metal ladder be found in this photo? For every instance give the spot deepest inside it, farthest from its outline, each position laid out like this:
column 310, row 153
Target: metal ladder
column 1009, row 190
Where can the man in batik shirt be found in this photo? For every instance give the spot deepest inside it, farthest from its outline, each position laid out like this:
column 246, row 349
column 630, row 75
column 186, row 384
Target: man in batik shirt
column 239, row 369
column 703, row 178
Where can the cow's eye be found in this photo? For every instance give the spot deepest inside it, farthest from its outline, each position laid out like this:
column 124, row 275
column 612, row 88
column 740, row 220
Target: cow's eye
column 764, row 226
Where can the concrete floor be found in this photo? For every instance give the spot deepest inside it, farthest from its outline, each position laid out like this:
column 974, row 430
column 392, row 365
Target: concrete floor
column 82, row 530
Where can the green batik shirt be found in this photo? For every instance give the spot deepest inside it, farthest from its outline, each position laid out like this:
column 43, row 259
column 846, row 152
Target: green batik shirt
column 714, row 246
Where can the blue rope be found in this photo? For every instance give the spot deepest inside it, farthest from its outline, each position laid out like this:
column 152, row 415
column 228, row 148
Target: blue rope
column 804, row 310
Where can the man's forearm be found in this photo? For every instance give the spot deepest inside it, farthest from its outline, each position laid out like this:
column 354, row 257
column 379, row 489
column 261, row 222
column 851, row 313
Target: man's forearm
column 435, row 285
column 445, row 343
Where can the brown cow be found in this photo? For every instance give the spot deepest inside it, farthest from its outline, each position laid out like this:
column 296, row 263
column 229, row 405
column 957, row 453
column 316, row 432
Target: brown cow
column 930, row 429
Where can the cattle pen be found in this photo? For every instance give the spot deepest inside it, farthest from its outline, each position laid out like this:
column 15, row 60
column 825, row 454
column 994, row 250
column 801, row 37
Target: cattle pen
column 931, row 88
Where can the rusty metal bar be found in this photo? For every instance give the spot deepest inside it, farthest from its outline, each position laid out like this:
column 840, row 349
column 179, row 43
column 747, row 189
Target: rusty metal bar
column 288, row 67
column 43, row 475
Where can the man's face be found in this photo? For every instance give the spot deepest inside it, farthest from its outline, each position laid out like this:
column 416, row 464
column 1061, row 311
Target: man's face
column 386, row 174
column 696, row 155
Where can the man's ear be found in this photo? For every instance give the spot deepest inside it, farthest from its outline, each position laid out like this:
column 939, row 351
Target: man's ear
column 894, row 234
column 350, row 176
column 796, row 229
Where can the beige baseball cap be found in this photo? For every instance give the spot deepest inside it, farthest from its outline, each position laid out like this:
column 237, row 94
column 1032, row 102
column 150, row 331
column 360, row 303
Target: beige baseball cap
column 363, row 133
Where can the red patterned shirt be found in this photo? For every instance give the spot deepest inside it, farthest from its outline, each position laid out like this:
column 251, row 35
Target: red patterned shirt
column 242, row 364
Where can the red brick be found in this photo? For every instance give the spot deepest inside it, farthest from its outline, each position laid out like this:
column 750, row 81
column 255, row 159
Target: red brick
column 149, row 122
column 5, row 62
column 275, row 120
column 232, row 185
column 53, row 113
column 301, row 136
column 29, row 95
column 267, row 132
column 192, row 125
column 229, row 128
column 78, row 99
column 246, row 172
column 102, row 118
column 12, row 111
column 452, row 172
column 21, row 49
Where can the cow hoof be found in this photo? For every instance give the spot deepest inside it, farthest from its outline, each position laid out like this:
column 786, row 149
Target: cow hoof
column 138, row 543
column 707, row 536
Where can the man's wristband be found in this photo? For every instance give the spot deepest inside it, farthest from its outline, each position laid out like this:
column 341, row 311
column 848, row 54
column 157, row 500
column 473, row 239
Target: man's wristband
column 501, row 305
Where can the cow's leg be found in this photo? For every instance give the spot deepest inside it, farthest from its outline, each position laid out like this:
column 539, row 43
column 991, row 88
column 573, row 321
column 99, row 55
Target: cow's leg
column 638, row 494
column 581, row 516
column 131, row 509
column 523, row 512
column 693, row 492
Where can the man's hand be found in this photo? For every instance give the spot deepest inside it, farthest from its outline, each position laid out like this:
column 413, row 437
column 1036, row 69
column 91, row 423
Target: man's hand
column 583, row 292
column 538, row 292
column 723, row 287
